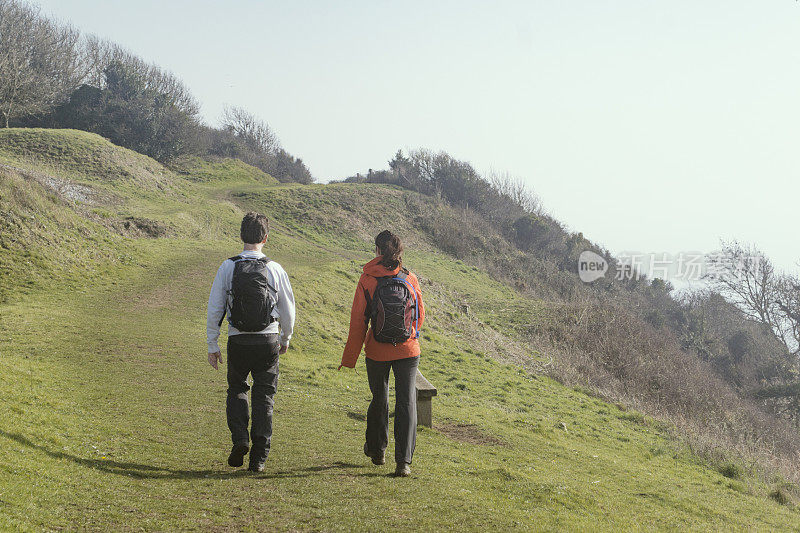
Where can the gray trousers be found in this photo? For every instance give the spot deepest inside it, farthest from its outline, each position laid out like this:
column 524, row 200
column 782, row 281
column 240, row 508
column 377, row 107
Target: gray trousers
column 405, row 411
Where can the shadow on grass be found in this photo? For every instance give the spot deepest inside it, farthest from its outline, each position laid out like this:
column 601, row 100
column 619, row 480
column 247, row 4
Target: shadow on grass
column 142, row 471
column 357, row 416
column 362, row 417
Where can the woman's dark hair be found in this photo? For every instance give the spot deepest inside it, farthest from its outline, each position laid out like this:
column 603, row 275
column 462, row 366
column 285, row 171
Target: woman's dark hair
column 390, row 248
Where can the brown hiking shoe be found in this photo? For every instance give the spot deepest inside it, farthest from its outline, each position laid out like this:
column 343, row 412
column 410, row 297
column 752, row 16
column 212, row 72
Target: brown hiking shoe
column 377, row 458
column 402, row 470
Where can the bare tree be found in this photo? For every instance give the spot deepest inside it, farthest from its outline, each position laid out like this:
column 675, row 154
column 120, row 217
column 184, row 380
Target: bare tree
column 252, row 131
column 747, row 277
column 255, row 143
column 40, row 61
column 168, row 84
column 789, row 304
column 517, row 191
column 97, row 55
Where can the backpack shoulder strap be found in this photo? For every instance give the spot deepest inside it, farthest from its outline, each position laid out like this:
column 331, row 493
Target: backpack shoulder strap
column 266, row 260
column 368, row 307
column 403, row 275
column 370, row 298
column 233, row 259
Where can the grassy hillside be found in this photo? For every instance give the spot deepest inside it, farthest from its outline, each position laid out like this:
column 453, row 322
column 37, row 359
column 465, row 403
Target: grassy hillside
column 219, row 169
column 113, row 420
column 82, row 156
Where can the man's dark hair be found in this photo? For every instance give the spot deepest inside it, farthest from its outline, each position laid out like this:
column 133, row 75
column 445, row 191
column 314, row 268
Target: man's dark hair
column 255, row 227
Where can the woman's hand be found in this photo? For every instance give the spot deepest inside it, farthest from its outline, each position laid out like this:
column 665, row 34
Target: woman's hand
column 354, row 368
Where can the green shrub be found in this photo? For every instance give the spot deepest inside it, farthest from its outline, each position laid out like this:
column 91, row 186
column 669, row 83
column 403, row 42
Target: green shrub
column 731, row 470
column 780, row 496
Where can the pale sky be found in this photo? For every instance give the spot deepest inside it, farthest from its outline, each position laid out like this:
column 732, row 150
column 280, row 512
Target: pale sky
column 649, row 126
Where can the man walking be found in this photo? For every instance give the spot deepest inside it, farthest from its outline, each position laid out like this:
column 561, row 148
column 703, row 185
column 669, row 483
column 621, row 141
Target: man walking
column 257, row 297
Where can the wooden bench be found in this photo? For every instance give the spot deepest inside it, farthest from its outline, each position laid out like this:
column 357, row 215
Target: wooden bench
column 425, row 392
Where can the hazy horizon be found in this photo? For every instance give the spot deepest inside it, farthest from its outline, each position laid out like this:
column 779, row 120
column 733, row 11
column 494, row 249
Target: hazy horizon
column 648, row 127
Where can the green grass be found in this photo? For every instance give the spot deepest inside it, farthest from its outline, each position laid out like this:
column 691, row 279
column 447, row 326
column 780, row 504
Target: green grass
column 219, row 169
column 84, row 157
column 112, row 419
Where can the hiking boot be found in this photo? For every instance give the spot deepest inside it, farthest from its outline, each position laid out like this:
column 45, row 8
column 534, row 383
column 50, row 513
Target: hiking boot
column 377, row 458
column 257, row 465
column 402, row 470
column 236, row 458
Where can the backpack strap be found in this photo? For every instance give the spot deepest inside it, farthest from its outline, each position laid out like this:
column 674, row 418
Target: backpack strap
column 403, row 275
column 368, row 297
column 368, row 307
column 267, row 260
column 416, row 307
column 233, row 259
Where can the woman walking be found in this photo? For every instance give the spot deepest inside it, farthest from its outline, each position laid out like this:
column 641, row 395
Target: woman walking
column 388, row 312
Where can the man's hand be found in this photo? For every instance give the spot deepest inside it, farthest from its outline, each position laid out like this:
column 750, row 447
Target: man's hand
column 283, row 349
column 214, row 359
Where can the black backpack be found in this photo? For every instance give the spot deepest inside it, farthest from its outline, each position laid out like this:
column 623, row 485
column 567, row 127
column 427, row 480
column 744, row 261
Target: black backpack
column 393, row 309
column 252, row 302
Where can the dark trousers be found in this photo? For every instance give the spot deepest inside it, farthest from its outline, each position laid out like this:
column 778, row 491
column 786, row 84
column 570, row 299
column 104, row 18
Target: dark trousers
column 261, row 360
column 405, row 410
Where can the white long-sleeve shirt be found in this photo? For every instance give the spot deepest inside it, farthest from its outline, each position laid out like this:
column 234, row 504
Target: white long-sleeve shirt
column 219, row 300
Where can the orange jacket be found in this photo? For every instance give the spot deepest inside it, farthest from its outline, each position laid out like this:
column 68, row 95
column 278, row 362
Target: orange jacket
column 377, row 351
